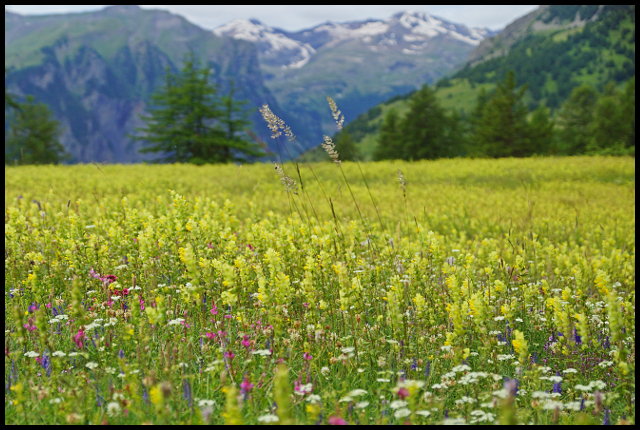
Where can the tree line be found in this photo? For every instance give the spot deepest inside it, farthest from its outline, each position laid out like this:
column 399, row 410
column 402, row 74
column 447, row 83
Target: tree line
column 187, row 122
column 501, row 125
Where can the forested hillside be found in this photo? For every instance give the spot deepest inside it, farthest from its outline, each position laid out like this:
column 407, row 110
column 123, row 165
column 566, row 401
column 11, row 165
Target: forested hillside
column 558, row 51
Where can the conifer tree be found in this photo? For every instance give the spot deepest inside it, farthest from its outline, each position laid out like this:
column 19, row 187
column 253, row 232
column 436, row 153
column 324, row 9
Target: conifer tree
column 389, row 145
column 608, row 128
column 188, row 123
column 346, row 147
column 33, row 136
column 502, row 130
column 541, row 132
column 575, row 118
column 424, row 127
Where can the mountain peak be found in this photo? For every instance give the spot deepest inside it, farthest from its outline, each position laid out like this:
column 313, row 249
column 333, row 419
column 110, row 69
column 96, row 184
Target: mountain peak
column 123, row 8
column 411, row 14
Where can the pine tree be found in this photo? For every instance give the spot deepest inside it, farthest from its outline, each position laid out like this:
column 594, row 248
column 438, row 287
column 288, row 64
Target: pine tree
column 502, row 130
column 33, row 135
column 188, row 123
column 389, row 145
column 424, row 127
column 541, row 132
column 629, row 113
column 575, row 119
column 608, row 128
column 346, row 146
column 233, row 118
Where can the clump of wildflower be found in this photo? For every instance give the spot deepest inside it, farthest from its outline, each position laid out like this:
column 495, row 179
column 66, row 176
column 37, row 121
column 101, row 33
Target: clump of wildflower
column 520, row 346
column 78, row 338
column 337, row 421
column 282, row 394
column 245, row 386
column 232, row 414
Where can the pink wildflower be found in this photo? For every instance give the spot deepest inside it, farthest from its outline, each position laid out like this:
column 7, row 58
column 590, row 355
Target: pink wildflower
column 307, row 356
column 109, row 279
column 337, row 421
column 210, row 335
column 229, row 355
column 245, row 386
column 30, row 326
column 78, row 338
column 214, row 309
column 403, row 393
column 245, row 341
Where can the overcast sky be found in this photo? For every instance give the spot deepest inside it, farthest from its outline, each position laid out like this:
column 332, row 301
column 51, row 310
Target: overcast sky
column 298, row 17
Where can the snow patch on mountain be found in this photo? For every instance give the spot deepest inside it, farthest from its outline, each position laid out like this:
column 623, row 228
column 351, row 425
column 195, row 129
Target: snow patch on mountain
column 408, row 32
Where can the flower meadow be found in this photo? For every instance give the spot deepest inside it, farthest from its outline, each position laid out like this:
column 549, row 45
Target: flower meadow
column 433, row 292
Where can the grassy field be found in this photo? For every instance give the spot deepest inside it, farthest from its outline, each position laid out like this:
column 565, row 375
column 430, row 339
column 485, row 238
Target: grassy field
column 451, row 291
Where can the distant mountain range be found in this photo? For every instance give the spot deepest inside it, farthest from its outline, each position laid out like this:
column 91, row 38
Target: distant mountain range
column 97, row 70
column 358, row 63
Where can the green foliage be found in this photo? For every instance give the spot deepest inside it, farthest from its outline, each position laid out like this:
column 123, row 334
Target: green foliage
column 575, row 116
column 502, row 130
column 188, row 123
column 553, row 62
column 599, row 123
column 389, row 140
column 541, row 132
column 346, row 147
column 32, row 137
column 426, row 131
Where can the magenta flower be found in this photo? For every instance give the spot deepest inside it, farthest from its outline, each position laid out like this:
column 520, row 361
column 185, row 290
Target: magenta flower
column 78, row 338
column 245, row 386
column 29, row 326
column 307, row 356
column 403, row 393
column 229, row 355
column 109, row 279
column 245, row 341
column 214, row 309
column 210, row 335
column 337, row 421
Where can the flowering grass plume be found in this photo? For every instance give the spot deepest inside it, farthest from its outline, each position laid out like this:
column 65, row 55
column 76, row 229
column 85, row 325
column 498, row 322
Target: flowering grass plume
column 330, row 148
column 337, row 115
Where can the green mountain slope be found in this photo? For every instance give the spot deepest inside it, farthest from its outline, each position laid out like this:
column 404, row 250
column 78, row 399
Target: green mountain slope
column 552, row 50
